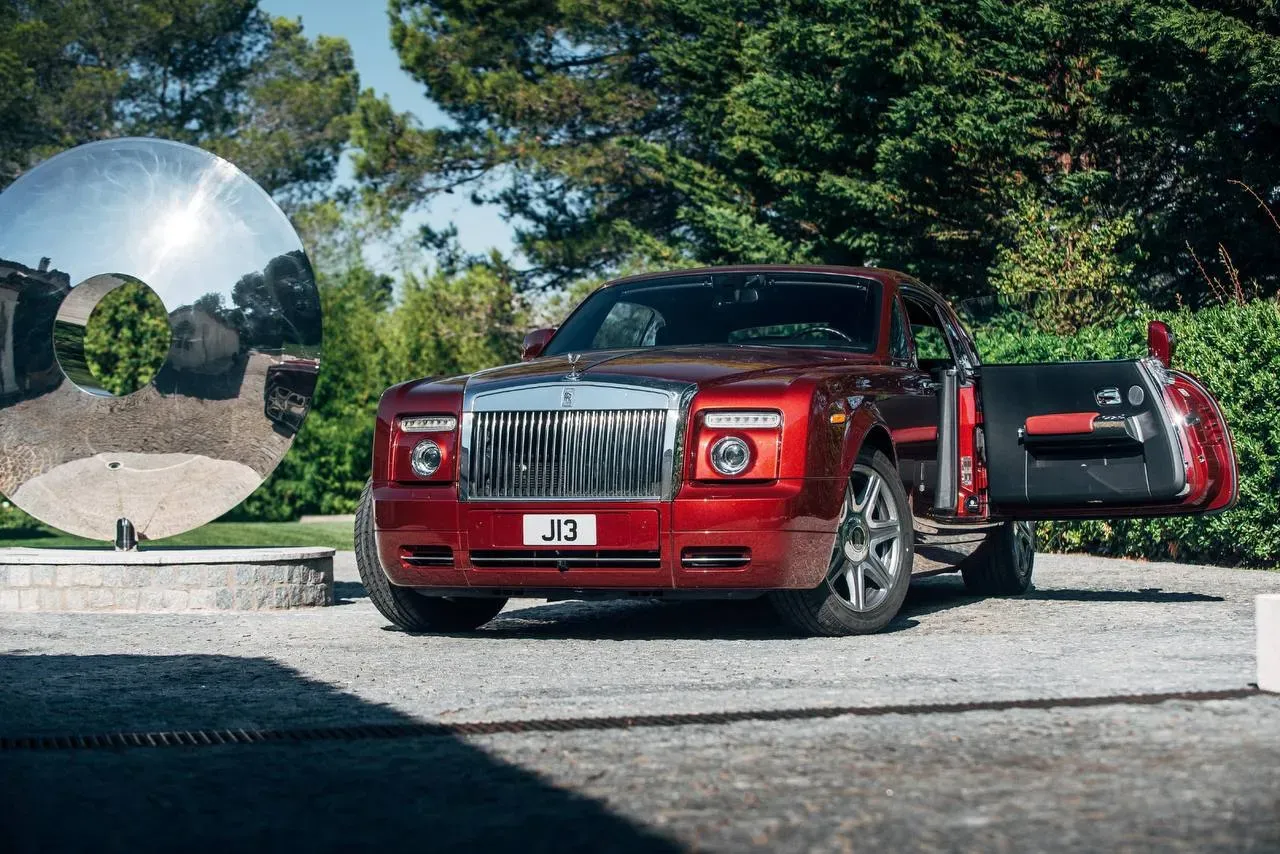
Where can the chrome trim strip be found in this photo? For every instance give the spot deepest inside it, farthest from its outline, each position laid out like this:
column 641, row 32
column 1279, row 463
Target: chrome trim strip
column 530, row 561
column 703, row 562
column 428, row 561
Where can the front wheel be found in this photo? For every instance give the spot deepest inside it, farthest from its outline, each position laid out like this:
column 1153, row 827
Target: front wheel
column 405, row 608
column 870, row 567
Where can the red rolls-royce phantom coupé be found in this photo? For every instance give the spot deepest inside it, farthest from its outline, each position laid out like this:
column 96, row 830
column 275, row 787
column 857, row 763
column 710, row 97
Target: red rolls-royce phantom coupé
column 775, row 431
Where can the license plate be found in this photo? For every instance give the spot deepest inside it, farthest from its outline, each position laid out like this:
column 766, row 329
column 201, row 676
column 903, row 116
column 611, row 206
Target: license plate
column 546, row 530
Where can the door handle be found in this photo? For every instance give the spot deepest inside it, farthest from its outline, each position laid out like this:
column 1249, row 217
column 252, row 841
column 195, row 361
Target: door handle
column 1107, row 396
column 924, row 384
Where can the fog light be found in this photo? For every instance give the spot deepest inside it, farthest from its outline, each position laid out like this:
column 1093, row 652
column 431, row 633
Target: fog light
column 730, row 456
column 425, row 458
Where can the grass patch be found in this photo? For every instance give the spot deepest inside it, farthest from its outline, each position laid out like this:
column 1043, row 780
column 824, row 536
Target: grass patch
column 334, row 535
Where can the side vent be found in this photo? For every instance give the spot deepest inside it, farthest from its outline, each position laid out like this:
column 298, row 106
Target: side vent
column 715, row 557
column 426, row 556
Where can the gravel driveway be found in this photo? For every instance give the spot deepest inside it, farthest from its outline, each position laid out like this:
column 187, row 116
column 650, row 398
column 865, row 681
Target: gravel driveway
column 1183, row 775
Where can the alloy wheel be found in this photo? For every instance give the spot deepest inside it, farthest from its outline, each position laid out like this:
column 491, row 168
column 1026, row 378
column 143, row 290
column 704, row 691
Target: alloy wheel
column 867, row 556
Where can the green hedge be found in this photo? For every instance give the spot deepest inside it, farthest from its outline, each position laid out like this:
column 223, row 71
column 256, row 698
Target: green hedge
column 1235, row 351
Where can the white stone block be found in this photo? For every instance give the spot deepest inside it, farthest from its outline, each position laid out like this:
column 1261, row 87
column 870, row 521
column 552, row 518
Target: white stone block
column 88, row 576
column 163, row 579
column 204, row 599
column 101, row 599
column 175, row 600
column 1268, row 621
column 151, row 599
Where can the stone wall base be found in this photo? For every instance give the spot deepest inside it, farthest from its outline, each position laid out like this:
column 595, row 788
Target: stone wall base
column 165, row 579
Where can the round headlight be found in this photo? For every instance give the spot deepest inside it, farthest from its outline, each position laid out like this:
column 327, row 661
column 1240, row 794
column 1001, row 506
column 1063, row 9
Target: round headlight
column 425, row 458
column 730, row 456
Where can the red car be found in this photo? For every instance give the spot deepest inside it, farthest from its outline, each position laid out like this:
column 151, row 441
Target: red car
column 816, row 435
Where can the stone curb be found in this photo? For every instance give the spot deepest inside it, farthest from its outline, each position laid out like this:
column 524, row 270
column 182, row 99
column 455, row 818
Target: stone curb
column 207, row 580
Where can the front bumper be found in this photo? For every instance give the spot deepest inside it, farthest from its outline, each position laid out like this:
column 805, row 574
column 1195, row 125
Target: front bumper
column 427, row 538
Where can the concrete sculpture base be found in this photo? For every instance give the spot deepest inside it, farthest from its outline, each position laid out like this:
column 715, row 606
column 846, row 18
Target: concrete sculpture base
column 164, row 579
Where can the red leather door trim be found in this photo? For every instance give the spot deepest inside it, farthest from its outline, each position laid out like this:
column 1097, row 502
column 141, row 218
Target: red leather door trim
column 907, row 435
column 1061, row 423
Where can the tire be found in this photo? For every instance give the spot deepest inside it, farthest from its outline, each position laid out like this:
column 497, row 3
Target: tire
column 406, row 608
column 870, row 566
column 1002, row 566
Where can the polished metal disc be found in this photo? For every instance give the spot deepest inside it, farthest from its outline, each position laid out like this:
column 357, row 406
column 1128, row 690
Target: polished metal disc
column 244, row 317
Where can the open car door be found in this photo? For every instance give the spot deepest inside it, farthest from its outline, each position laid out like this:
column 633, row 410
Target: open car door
column 1103, row 439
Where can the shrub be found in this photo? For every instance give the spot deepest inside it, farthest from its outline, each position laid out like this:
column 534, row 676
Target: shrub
column 1235, row 351
column 15, row 523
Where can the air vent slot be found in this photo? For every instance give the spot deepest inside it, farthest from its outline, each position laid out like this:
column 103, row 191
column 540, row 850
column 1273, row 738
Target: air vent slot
column 564, row 559
column 426, row 556
column 715, row 557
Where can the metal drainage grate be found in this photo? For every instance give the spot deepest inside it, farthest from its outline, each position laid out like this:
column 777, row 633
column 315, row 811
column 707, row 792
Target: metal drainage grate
column 204, row 738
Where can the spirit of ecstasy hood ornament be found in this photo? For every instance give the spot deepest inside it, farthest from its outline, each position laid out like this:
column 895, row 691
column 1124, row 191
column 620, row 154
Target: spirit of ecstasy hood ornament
column 574, row 374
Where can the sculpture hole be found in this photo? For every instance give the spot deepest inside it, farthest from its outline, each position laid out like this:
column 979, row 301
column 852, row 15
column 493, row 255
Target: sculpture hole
column 112, row 335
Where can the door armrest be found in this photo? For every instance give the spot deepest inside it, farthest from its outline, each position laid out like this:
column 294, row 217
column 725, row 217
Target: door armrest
column 1060, row 424
column 1069, row 428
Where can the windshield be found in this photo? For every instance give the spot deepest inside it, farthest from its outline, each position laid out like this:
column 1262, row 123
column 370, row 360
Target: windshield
column 781, row 310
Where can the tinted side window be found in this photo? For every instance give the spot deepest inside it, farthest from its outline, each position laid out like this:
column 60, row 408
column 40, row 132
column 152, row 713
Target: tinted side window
column 933, row 348
column 899, row 346
column 930, row 343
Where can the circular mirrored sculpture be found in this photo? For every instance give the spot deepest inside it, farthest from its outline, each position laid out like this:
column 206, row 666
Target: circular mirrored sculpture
column 173, row 222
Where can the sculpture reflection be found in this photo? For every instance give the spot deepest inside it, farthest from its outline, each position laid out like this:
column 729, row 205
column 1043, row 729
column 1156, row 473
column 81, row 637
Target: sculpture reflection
column 244, row 314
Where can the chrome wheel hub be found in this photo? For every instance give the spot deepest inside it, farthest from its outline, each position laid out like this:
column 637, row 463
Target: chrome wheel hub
column 868, row 551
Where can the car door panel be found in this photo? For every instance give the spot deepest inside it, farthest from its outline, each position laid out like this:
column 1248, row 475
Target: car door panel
column 910, row 412
column 1108, row 438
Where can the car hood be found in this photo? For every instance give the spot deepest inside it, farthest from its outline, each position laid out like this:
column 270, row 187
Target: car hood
column 701, row 365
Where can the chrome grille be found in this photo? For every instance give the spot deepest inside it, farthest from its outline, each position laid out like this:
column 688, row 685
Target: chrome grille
column 611, row 453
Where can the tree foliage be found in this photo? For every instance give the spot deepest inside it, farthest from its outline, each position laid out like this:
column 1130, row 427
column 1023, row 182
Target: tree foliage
column 127, row 338
column 221, row 74
column 1073, row 268
column 906, row 134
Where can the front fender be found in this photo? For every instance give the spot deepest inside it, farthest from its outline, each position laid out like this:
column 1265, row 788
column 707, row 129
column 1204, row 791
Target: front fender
column 865, row 424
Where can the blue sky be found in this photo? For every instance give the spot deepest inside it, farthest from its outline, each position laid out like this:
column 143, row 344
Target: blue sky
column 364, row 24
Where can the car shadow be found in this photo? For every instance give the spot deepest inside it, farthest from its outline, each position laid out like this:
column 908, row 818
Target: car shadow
column 943, row 592
column 701, row 619
column 640, row 619
column 1146, row 594
column 346, row 592
column 754, row 619
column 433, row 792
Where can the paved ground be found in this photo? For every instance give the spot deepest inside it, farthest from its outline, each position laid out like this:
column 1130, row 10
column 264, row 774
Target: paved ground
column 1179, row 775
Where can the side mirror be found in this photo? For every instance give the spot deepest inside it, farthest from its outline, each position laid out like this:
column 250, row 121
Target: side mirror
column 535, row 342
column 1160, row 342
